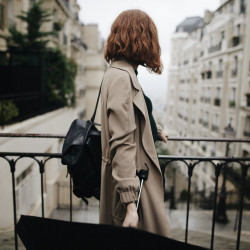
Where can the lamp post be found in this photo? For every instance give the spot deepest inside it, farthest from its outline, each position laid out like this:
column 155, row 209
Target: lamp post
column 221, row 215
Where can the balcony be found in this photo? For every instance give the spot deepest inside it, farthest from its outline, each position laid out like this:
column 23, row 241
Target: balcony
column 234, row 73
column 232, row 104
column 207, row 99
column 214, row 48
column 217, row 101
column 215, row 128
column 246, row 133
column 206, row 74
column 187, row 197
column 219, row 74
column 205, row 124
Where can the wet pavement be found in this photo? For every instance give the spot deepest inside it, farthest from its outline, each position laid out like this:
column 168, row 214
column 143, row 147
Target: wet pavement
column 200, row 223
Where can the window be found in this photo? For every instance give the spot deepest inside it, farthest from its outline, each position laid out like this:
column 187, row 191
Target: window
column 242, row 6
column 211, row 41
column 216, row 120
column 247, row 127
column 208, row 95
column 238, row 30
column 232, row 94
column 222, row 34
column 217, row 98
column 206, row 119
column 220, row 64
column 235, row 66
column 10, row 14
column 1, row 14
column 218, row 92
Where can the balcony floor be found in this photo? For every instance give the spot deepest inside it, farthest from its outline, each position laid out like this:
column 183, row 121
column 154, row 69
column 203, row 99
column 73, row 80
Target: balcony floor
column 199, row 227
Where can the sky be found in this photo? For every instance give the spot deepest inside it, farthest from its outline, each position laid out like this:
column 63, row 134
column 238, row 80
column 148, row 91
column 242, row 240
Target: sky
column 166, row 14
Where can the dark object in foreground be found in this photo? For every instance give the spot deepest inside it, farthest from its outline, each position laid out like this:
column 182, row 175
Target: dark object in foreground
column 42, row 233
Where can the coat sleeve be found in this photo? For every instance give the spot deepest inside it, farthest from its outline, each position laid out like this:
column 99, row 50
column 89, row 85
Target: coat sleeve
column 121, row 123
column 159, row 129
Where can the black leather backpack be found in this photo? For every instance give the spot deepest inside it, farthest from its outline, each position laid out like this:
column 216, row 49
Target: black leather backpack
column 82, row 154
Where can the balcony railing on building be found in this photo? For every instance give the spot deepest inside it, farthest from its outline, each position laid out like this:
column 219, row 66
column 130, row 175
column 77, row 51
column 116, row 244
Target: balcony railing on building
column 214, row 48
column 204, row 199
column 219, row 74
column 215, row 128
column 205, row 124
column 232, row 104
column 234, row 73
column 207, row 99
column 206, row 75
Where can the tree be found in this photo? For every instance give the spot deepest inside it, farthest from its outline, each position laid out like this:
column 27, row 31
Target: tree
column 34, row 37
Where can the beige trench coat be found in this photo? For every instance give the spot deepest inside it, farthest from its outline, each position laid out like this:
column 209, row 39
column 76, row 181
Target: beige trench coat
column 127, row 144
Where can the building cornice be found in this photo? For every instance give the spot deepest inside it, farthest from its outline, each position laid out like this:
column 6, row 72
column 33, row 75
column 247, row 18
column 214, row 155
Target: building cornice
column 64, row 8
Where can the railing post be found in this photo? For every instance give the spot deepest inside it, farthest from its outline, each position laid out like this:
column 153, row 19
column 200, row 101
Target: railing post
column 13, row 169
column 41, row 166
column 244, row 174
column 190, row 172
column 70, row 197
column 217, row 174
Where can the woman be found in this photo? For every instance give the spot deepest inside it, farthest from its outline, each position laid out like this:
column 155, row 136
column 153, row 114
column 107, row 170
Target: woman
column 128, row 128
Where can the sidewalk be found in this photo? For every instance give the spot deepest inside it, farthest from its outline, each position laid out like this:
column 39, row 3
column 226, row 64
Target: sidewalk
column 199, row 228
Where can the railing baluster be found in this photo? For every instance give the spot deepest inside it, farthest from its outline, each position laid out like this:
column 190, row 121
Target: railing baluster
column 184, row 159
column 190, row 172
column 58, row 195
column 244, row 173
column 217, row 173
column 41, row 165
column 70, row 196
column 13, row 169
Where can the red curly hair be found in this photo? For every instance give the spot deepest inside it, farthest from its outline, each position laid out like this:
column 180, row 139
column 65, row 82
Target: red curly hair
column 134, row 37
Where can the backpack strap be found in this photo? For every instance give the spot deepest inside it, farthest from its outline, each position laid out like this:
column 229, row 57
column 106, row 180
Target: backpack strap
column 97, row 101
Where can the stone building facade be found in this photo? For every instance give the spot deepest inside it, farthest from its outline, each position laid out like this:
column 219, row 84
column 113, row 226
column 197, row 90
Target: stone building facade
column 208, row 83
column 83, row 44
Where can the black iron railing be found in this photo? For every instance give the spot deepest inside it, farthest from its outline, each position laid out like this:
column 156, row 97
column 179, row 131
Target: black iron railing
column 219, row 163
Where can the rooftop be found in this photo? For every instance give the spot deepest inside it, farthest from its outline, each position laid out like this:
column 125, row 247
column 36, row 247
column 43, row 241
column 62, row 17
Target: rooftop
column 190, row 24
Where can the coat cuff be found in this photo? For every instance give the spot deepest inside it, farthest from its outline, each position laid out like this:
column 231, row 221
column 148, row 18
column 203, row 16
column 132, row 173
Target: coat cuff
column 159, row 129
column 127, row 197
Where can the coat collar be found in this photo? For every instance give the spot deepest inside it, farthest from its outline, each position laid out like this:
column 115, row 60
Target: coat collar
column 139, row 102
column 125, row 65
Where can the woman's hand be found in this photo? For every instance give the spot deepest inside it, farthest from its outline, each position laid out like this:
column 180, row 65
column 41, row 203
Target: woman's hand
column 163, row 136
column 131, row 218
